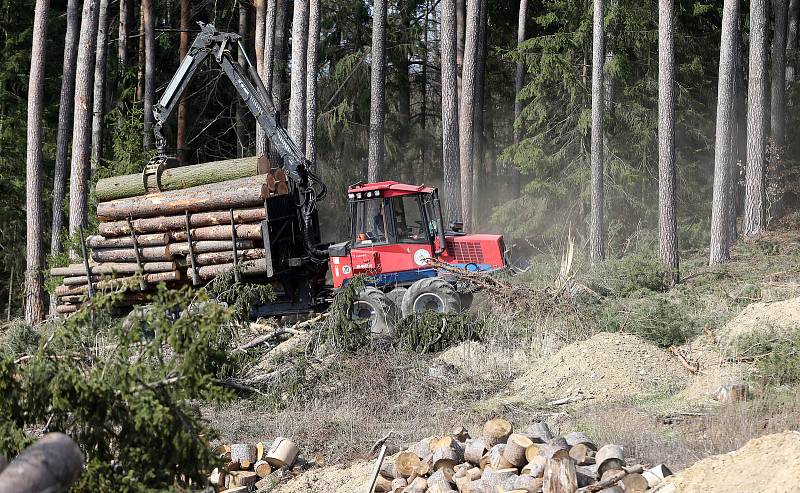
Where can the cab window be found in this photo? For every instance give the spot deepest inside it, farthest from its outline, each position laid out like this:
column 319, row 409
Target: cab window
column 371, row 222
column 409, row 221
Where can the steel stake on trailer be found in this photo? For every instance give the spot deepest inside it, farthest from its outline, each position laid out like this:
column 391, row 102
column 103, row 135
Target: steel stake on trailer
column 86, row 264
column 236, row 275
column 139, row 264
column 193, row 263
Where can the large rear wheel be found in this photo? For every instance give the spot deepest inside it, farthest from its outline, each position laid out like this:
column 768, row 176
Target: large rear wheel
column 373, row 306
column 431, row 294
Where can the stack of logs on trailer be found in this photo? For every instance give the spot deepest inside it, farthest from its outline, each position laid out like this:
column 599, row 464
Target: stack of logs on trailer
column 206, row 218
column 501, row 460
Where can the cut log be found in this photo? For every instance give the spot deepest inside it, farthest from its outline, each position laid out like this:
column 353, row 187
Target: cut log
column 423, row 447
column 74, row 298
column 243, row 478
column 119, row 283
column 399, row 483
column 515, row 449
column 250, row 267
column 382, row 485
column 656, row 474
column 66, row 309
column 556, row 448
column 124, row 186
column 388, row 470
column 731, row 392
column 560, row 476
column 419, row 485
column 108, row 269
column 446, row 457
column 609, row 457
column 213, row 258
column 153, row 239
column 474, row 450
column 262, row 468
column 158, row 253
column 222, row 232
column 532, row 451
column 51, row 464
column 208, row 246
column 243, row 452
column 79, row 280
column 497, row 459
column 577, row 437
column 582, row 453
column 539, row 432
column 407, row 463
column 496, row 431
column 217, row 478
column 441, row 477
column 176, row 223
column 235, row 194
column 494, row 477
column 529, row 484
column 535, row 467
column 460, row 433
column 282, row 452
column 634, row 483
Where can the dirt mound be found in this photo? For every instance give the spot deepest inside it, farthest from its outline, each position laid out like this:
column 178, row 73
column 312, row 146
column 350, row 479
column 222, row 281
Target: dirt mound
column 715, row 370
column 767, row 465
column 780, row 317
column 332, row 479
column 485, row 360
column 607, row 366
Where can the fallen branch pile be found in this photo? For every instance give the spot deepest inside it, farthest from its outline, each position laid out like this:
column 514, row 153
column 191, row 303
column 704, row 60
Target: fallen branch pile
column 502, row 460
column 180, row 236
column 253, row 466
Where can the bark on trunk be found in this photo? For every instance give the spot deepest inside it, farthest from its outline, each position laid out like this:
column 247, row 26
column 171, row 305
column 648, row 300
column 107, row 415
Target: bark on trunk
column 519, row 82
column 720, row 243
column 98, row 104
column 461, row 13
column 450, row 149
column 270, row 33
column 147, row 240
column 297, row 99
column 667, row 221
column 597, row 227
column 467, row 110
column 237, row 194
column 241, row 110
column 377, row 118
column 311, row 81
column 280, row 62
column 177, row 223
column 754, row 213
column 248, row 267
column 149, row 96
column 110, row 269
column 140, row 60
column 183, row 105
column 208, row 246
column 220, row 233
column 778, row 99
column 791, row 38
column 64, row 133
column 125, row 186
column 122, row 39
column 82, row 117
column 34, row 293
column 147, row 254
column 738, row 136
column 478, row 170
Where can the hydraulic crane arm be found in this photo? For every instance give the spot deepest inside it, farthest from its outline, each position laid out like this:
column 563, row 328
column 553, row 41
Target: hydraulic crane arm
column 252, row 91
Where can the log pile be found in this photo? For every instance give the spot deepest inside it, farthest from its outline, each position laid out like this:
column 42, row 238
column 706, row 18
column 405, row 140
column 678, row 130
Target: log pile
column 502, row 460
column 180, row 236
column 251, row 467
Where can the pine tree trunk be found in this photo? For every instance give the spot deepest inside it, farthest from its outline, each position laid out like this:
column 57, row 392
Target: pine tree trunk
column 467, row 110
column 34, row 294
column 478, row 169
column 311, row 81
column 597, row 227
column 148, row 21
column 82, row 117
column 100, row 66
column 241, row 109
column 377, row 112
column 450, row 149
column 738, row 136
column 461, row 17
column 297, row 98
column 519, row 82
column 140, row 59
column 282, row 11
column 754, row 213
column 183, row 105
column 667, row 221
column 122, row 39
column 778, row 99
column 64, row 133
column 261, row 25
column 401, row 63
column 791, row 37
column 269, row 44
column 720, row 242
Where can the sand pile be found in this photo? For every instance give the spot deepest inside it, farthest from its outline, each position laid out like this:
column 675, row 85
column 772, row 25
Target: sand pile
column 485, row 360
column 780, row 317
column 607, row 366
column 770, row 464
column 332, row 479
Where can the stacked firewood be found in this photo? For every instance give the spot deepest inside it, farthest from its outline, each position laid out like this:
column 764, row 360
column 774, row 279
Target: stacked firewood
column 502, row 460
column 250, row 467
column 179, row 236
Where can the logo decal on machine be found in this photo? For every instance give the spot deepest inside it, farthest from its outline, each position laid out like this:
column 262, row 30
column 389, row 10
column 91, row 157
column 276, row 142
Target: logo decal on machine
column 421, row 257
column 346, row 270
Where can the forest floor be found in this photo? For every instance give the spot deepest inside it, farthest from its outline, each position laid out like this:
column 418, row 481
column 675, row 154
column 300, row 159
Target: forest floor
column 609, row 354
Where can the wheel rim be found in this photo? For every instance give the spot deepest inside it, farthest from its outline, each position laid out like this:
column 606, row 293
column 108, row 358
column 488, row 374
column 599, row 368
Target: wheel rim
column 365, row 311
column 429, row 302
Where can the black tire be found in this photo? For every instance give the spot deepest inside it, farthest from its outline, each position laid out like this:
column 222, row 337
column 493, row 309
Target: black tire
column 395, row 296
column 374, row 306
column 434, row 294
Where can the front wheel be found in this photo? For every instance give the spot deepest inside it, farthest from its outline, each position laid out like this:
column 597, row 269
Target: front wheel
column 373, row 306
column 432, row 294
